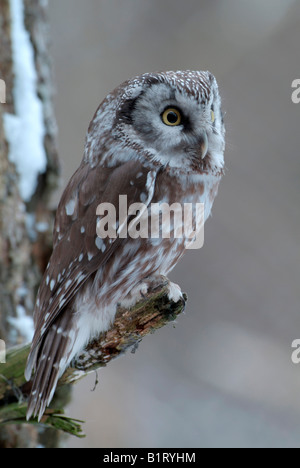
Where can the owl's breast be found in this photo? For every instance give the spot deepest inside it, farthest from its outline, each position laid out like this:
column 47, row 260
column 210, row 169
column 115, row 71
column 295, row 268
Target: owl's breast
column 178, row 187
column 157, row 240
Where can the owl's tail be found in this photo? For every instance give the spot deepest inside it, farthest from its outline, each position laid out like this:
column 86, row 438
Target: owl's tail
column 49, row 360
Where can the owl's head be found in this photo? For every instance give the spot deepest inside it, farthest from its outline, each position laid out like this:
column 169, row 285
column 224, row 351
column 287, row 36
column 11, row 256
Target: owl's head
column 171, row 118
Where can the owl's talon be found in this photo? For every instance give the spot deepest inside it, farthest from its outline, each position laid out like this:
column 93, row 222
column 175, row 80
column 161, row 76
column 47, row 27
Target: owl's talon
column 174, row 293
column 135, row 295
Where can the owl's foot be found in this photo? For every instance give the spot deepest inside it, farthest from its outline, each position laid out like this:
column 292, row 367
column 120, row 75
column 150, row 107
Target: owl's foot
column 174, row 292
column 151, row 283
column 137, row 293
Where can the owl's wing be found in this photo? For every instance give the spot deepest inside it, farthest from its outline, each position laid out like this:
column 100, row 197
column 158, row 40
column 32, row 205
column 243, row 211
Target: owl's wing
column 78, row 251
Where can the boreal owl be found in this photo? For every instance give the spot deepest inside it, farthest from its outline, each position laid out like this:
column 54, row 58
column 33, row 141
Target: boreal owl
column 158, row 137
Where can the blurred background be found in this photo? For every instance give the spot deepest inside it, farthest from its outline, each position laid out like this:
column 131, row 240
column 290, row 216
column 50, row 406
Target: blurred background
column 223, row 377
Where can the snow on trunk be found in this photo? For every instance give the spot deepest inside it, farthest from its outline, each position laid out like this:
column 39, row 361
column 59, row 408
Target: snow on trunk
column 25, row 130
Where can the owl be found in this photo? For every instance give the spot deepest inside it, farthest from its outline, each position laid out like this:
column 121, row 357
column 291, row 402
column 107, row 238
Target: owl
column 158, row 137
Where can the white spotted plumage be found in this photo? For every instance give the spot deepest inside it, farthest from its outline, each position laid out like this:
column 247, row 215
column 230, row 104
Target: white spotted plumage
column 129, row 151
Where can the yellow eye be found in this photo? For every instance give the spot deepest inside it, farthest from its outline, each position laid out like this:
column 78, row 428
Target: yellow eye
column 171, row 116
column 212, row 116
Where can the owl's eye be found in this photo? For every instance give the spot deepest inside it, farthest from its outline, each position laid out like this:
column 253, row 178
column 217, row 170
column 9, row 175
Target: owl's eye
column 212, row 116
column 171, row 116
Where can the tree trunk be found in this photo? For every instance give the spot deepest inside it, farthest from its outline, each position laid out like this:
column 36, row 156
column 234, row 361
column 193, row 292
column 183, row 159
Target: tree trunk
column 29, row 172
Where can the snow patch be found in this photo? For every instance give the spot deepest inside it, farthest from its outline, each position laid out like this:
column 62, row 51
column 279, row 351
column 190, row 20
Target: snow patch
column 23, row 323
column 25, row 130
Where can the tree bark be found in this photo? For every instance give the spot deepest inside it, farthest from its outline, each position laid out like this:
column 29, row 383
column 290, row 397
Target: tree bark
column 25, row 225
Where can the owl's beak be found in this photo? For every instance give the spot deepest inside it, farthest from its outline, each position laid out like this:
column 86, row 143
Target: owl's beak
column 203, row 144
